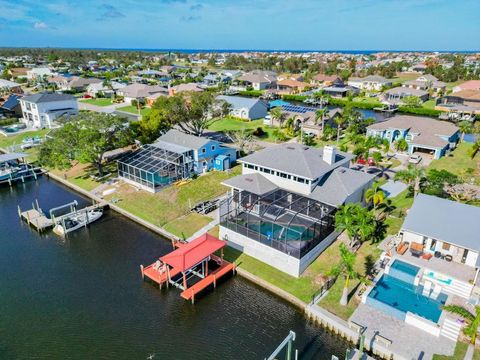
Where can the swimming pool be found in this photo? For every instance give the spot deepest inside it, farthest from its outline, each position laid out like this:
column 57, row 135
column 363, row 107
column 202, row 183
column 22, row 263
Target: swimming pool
column 402, row 297
column 276, row 231
column 405, row 267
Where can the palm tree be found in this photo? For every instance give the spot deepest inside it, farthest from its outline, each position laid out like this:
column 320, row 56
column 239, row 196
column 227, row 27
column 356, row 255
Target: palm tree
column 465, row 127
column 340, row 121
column 278, row 115
column 473, row 320
column 345, row 268
column 475, row 149
column 320, row 114
column 375, row 195
column 413, row 176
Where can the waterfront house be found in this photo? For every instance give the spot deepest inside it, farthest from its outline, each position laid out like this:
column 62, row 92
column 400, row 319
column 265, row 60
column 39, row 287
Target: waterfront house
column 426, row 82
column 41, row 110
column 425, row 135
column 291, row 86
column 463, row 101
column 371, row 82
column 245, row 108
column 326, row 80
column 397, row 94
column 281, row 209
column 10, row 106
column 10, row 87
column 174, row 156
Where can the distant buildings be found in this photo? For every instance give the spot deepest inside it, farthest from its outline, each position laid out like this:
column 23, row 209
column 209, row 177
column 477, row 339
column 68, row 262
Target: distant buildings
column 10, row 87
column 41, row 110
column 371, row 82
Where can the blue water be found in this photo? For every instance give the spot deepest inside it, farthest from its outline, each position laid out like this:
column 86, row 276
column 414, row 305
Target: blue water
column 406, row 297
column 405, row 267
column 275, row 103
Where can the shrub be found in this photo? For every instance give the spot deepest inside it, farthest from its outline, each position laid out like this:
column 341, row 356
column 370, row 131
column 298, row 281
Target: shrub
column 259, row 132
column 419, row 111
column 9, row 121
column 294, row 97
column 251, row 93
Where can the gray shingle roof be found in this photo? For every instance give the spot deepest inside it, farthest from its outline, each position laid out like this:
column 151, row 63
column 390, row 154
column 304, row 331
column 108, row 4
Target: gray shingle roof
column 340, row 184
column 445, row 220
column 179, row 138
column 47, row 97
column 296, row 159
column 239, row 102
column 255, row 183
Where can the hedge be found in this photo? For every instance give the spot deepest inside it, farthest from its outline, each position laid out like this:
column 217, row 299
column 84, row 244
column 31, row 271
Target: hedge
column 294, row 97
column 251, row 93
column 9, row 121
column 419, row 111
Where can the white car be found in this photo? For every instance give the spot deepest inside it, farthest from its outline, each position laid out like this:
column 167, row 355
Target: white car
column 414, row 159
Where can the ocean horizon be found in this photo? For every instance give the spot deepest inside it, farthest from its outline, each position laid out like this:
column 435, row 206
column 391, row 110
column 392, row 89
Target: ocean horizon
column 193, row 51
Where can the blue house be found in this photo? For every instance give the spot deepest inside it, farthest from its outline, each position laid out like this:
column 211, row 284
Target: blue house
column 422, row 134
column 174, row 156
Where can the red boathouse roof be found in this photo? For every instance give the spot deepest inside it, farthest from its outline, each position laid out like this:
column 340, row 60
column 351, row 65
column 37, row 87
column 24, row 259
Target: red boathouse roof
column 194, row 252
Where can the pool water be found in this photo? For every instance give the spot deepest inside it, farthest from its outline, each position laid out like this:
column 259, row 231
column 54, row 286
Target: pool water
column 405, row 267
column 292, row 233
column 404, row 297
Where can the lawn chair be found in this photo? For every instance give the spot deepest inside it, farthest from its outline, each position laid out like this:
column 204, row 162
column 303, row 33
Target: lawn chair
column 436, row 291
column 426, row 288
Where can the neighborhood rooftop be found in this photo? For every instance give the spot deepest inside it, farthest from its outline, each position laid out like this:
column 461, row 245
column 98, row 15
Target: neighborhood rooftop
column 445, row 220
column 295, row 159
column 179, row 138
column 47, row 97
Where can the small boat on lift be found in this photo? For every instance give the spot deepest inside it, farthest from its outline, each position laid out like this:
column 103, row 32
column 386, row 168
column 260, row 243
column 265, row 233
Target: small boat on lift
column 77, row 220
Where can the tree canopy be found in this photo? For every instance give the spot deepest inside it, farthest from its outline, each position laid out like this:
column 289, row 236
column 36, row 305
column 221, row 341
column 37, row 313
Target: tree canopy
column 85, row 138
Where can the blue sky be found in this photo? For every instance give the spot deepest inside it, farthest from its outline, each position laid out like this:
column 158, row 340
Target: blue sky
column 243, row 24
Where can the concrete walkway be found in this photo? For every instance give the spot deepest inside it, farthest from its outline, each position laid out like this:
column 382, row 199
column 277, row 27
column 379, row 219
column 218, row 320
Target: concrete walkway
column 469, row 353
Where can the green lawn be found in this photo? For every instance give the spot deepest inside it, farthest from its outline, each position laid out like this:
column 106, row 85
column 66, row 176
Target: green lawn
column 403, row 77
column 98, row 101
column 174, row 201
column 401, row 202
column 186, row 226
column 17, row 139
column 458, row 161
column 233, row 124
column 429, row 104
column 133, row 109
column 459, row 354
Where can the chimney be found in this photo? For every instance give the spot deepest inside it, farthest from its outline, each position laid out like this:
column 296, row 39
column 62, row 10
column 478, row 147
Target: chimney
column 329, row 154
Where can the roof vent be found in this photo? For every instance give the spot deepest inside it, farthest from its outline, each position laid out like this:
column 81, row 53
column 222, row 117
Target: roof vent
column 290, row 148
column 249, row 179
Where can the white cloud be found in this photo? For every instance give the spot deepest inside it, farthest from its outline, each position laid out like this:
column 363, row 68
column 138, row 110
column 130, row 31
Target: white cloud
column 40, row 25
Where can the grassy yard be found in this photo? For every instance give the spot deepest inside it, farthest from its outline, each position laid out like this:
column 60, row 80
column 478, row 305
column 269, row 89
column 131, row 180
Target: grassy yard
column 429, row 104
column 79, row 175
column 174, row 201
column 98, row 101
column 186, row 226
column 233, row 124
column 458, row 161
column 133, row 109
column 6, row 141
column 403, row 77
column 401, row 202
column 459, row 354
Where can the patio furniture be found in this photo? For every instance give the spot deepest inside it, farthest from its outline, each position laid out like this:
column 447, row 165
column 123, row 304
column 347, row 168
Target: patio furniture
column 402, row 248
column 426, row 288
column 427, row 256
column 448, row 258
column 416, row 249
column 438, row 254
column 436, row 291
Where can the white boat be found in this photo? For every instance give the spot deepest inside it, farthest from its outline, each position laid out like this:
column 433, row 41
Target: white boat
column 77, row 221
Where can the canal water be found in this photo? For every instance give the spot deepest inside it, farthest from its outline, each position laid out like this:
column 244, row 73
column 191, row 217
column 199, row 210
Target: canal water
column 83, row 297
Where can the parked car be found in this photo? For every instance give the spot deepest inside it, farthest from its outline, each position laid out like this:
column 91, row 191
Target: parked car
column 414, row 159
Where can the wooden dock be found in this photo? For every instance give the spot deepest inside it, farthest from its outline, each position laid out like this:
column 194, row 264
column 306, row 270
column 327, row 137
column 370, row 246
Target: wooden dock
column 37, row 219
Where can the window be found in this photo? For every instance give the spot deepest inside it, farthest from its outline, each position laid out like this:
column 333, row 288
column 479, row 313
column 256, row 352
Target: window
column 204, row 151
column 213, row 147
column 446, row 246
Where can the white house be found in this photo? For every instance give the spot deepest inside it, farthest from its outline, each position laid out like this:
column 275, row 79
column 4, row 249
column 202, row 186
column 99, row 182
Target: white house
column 40, row 110
column 140, row 92
column 371, row 82
column 107, row 91
column 39, row 72
column 245, row 108
column 281, row 209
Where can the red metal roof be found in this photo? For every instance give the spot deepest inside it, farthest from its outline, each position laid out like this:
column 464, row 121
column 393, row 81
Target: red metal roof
column 194, row 252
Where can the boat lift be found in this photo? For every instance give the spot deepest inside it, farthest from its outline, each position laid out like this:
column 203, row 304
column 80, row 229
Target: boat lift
column 288, row 343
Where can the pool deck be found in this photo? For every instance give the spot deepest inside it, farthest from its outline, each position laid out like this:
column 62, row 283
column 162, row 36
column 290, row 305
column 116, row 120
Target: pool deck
column 456, row 270
column 408, row 341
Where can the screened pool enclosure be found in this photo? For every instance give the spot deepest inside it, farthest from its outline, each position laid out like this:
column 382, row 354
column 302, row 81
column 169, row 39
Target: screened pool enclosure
column 154, row 167
column 291, row 223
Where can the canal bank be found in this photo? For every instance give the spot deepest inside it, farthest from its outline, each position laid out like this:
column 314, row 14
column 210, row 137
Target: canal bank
column 83, row 297
column 317, row 315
